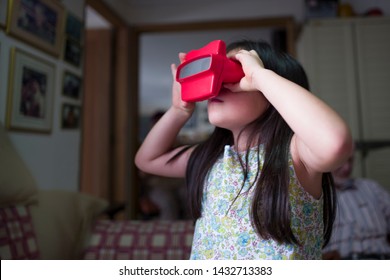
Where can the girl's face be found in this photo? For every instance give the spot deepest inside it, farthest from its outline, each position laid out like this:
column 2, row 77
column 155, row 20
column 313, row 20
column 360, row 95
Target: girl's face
column 234, row 110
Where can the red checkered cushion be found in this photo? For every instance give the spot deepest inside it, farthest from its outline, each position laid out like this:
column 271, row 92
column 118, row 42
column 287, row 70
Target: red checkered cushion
column 137, row 240
column 17, row 235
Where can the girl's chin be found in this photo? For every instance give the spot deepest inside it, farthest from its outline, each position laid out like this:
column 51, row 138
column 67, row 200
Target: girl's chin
column 217, row 120
column 214, row 120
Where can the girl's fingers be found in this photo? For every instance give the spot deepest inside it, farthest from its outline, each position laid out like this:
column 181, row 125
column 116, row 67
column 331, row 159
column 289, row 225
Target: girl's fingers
column 232, row 87
column 182, row 57
column 173, row 70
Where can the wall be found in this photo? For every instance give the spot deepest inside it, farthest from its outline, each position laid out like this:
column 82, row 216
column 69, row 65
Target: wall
column 52, row 158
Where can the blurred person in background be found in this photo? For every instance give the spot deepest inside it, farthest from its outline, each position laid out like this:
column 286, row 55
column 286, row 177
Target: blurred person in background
column 362, row 226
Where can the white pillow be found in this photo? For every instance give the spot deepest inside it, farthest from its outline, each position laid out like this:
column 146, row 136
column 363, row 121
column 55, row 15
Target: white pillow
column 17, row 185
column 62, row 221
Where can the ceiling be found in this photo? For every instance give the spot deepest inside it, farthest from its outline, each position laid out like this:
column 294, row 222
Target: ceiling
column 95, row 20
column 142, row 11
column 161, row 11
column 132, row 10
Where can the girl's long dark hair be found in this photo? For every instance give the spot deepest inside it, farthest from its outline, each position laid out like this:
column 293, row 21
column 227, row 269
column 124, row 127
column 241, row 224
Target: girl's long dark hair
column 270, row 209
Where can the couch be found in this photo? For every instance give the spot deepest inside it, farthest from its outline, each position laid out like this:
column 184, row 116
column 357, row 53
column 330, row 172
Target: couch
column 63, row 225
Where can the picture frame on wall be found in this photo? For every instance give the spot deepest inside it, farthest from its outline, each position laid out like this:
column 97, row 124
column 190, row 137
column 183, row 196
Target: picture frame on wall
column 74, row 27
column 73, row 52
column 3, row 13
column 30, row 93
column 39, row 23
column 71, row 85
column 70, row 116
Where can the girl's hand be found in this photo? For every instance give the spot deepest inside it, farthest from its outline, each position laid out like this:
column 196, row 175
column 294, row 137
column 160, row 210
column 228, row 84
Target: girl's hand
column 251, row 64
column 177, row 102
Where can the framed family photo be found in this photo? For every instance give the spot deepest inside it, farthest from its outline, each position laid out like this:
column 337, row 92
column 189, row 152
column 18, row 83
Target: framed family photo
column 30, row 93
column 71, row 85
column 38, row 22
column 70, row 116
column 3, row 12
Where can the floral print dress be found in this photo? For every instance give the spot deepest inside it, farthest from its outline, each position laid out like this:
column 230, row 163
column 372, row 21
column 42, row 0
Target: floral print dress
column 224, row 230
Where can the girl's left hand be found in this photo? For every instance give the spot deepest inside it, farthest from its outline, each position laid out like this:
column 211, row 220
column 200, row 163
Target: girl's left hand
column 251, row 63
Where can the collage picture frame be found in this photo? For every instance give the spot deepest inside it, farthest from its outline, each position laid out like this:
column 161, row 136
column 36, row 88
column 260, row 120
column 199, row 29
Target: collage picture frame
column 47, row 26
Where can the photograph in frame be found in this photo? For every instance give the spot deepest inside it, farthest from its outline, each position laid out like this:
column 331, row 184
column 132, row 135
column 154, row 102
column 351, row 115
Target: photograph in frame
column 72, row 52
column 71, row 85
column 30, row 93
column 3, row 13
column 74, row 27
column 38, row 22
column 70, row 116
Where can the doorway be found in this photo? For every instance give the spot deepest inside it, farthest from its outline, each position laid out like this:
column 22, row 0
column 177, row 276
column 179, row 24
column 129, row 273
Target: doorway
column 106, row 148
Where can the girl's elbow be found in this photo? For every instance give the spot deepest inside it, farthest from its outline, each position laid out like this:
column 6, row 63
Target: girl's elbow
column 140, row 163
column 343, row 147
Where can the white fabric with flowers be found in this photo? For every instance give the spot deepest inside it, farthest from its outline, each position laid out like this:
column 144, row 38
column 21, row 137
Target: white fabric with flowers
column 225, row 231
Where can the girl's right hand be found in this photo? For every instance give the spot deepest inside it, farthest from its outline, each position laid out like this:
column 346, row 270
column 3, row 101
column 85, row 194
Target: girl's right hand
column 177, row 102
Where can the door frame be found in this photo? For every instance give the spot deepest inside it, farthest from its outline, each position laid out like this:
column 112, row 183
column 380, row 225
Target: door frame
column 125, row 110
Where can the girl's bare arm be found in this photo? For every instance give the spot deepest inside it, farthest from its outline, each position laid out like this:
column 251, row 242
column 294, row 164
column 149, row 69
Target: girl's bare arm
column 321, row 136
column 156, row 150
column 322, row 140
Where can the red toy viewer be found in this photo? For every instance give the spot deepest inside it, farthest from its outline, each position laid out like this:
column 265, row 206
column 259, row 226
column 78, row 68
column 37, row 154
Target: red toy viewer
column 204, row 71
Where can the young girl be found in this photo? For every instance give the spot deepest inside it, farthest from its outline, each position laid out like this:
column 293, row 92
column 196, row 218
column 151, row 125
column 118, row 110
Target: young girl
column 260, row 186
